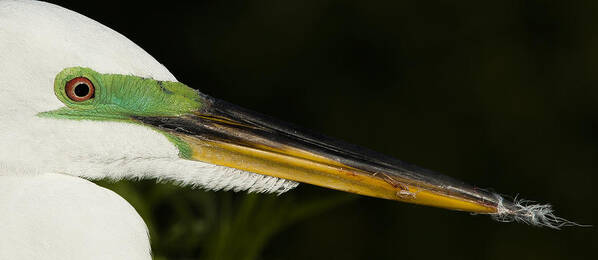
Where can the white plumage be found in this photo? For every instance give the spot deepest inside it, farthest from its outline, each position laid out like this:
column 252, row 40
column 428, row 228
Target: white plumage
column 56, row 216
column 49, row 157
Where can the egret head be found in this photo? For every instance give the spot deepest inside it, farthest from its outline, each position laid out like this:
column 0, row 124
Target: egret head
column 80, row 99
column 38, row 42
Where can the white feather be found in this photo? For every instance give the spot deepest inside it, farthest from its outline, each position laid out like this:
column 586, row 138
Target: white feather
column 55, row 216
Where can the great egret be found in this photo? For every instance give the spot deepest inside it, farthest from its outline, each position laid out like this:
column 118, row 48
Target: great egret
column 80, row 101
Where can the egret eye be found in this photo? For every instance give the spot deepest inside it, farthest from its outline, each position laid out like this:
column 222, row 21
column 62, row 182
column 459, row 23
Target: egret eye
column 79, row 89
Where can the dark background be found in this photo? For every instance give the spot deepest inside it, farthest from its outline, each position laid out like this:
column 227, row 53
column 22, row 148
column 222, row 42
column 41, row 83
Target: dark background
column 501, row 95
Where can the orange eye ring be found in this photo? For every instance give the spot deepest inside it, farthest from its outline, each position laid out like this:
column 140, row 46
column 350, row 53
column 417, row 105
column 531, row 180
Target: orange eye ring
column 79, row 89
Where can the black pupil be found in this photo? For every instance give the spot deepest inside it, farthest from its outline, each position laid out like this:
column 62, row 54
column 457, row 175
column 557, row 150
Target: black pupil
column 81, row 90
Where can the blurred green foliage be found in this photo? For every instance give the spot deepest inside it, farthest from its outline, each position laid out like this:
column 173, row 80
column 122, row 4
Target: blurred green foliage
column 501, row 94
column 184, row 222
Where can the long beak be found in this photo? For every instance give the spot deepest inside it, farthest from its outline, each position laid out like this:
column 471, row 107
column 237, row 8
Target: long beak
column 224, row 134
